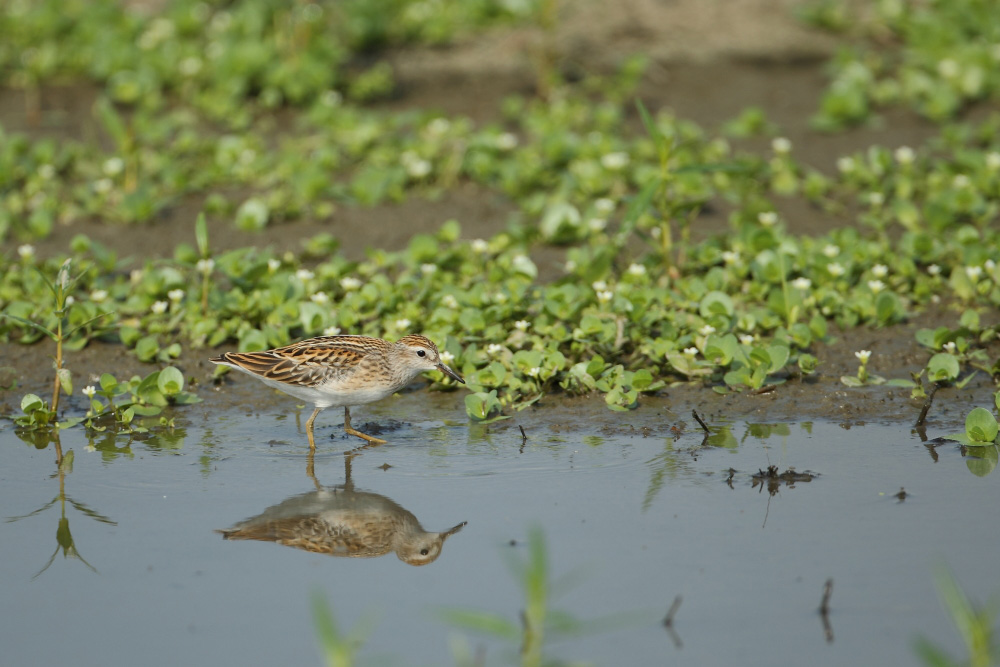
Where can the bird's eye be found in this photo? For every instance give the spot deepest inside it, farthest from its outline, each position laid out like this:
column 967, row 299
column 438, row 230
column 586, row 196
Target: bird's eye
column 424, row 552
column 421, row 353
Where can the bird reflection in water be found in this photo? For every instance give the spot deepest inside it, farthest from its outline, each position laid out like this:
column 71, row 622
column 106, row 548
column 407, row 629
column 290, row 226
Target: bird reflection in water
column 342, row 521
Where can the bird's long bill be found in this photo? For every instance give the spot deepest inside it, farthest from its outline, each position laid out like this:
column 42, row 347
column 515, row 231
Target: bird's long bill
column 450, row 373
column 452, row 531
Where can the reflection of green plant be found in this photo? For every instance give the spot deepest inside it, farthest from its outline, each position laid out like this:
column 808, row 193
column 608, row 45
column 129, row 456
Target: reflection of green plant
column 64, row 537
column 975, row 624
column 338, row 648
column 538, row 621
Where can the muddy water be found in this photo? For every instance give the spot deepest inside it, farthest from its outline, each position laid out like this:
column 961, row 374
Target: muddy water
column 638, row 515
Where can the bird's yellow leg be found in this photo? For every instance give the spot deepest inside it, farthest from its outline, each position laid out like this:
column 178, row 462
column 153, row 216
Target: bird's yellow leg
column 364, row 436
column 309, row 428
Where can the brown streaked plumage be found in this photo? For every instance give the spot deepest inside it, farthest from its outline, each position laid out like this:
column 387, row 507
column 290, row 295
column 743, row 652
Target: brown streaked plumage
column 335, row 371
column 344, row 522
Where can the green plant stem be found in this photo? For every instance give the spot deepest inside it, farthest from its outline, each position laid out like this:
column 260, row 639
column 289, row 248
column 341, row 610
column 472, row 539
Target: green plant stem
column 59, row 361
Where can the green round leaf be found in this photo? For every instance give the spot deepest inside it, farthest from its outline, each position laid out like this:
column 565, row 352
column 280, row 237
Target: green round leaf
column 981, row 426
column 170, row 382
column 942, row 367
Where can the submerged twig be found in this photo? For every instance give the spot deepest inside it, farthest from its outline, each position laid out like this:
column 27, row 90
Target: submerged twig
column 697, row 417
column 927, row 405
column 668, row 622
column 824, row 610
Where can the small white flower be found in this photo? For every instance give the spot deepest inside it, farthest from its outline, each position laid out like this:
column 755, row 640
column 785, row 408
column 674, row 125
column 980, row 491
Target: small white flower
column 637, row 269
column 350, row 283
column 522, row 325
column 190, row 66
column 533, row 371
column 319, row 298
column 615, row 161
column 159, row 307
column 781, row 145
column 961, row 181
column 934, row 270
column 802, row 283
column 835, row 269
column 949, row 347
column 205, row 265
column 846, row 165
column 707, row 330
column 876, row 199
column 569, row 266
column 47, row 171
column 99, row 295
column 506, row 141
column 221, row 22
column 103, row 186
column 863, row 355
column 905, row 155
column 175, row 294
column 691, row 352
column 447, row 357
column 26, row 251
column 831, row 250
column 135, row 276
column 113, row 166
column 89, row 391
column 417, row 168
column 604, row 206
column 876, row 286
column 767, row 218
column 989, row 265
column 331, row 98
column 993, row 161
column 305, row 275
column 403, row 323
column 746, row 339
column 599, row 285
column 500, row 297
column 494, row 349
column 597, row 224
column 449, row 301
column 273, row 264
column 880, row 270
column 332, row 331
column 70, row 300
column 439, row 126
column 605, row 296
column 973, row 272
column 949, row 68
column 480, row 246
column 730, row 256
column 428, row 269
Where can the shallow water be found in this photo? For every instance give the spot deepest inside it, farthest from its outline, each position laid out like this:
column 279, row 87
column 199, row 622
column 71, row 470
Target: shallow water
column 634, row 520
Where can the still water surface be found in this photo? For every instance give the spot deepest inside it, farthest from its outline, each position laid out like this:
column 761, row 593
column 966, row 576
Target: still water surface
column 636, row 520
